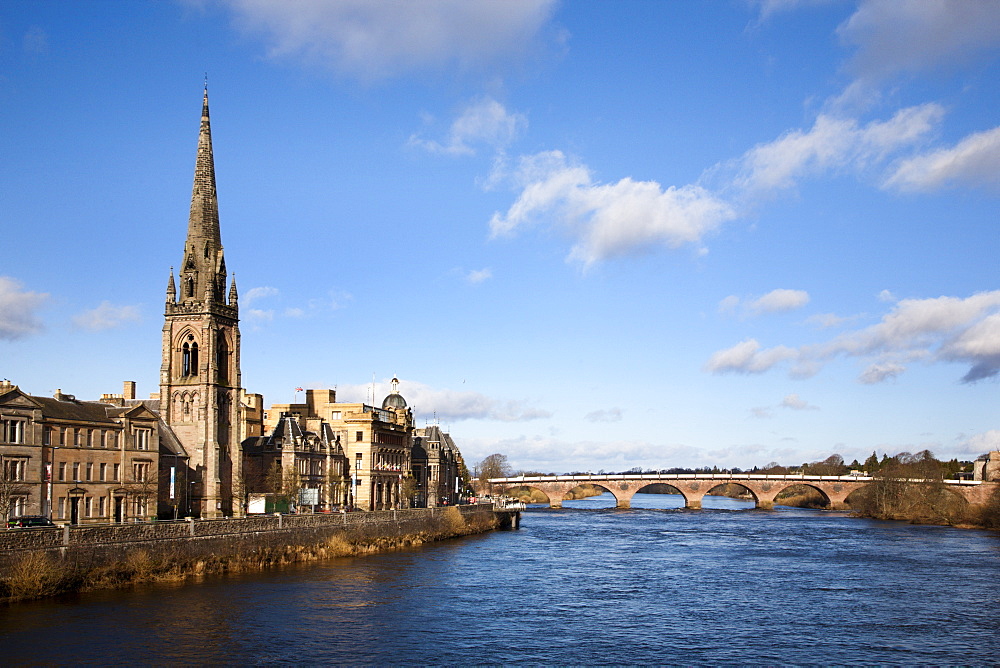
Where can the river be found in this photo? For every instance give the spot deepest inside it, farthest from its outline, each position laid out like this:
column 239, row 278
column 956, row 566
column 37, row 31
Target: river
column 585, row 584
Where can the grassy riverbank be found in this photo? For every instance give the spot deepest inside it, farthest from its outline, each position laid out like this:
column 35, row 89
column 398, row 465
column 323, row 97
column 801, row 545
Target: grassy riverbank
column 42, row 573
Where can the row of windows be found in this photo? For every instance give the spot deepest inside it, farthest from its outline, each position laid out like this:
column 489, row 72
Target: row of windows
column 91, row 506
column 140, row 471
column 88, row 470
column 12, row 431
column 309, row 466
column 95, row 438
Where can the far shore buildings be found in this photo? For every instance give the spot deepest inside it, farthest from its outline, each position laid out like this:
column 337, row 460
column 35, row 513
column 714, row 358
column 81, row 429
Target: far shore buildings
column 203, row 446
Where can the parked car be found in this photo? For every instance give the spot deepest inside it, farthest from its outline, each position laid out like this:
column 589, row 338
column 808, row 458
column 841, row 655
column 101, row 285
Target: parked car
column 30, row 521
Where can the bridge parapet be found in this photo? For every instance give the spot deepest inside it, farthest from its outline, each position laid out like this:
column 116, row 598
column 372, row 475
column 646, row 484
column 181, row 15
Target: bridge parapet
column 694, row 486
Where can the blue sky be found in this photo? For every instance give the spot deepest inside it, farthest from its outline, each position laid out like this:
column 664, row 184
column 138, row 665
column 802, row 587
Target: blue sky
column 588, row 235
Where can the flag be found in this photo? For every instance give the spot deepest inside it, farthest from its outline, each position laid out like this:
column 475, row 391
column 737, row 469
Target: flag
column 298, row 389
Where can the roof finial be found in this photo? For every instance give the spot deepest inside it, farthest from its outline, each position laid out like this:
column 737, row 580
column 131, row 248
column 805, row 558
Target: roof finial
column 206, row 82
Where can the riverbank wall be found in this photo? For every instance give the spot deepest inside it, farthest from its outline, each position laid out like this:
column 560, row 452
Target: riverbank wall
column 43, row 562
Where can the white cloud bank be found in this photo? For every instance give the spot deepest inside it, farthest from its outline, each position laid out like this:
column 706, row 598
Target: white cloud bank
column 607, row 220
column 975, row 160
column 907, row 36
column 18, row 310
column 448, row 405
column 483, row 122
column 942, row 329
column 106, row 316
column 776, row 301
column 377, row 40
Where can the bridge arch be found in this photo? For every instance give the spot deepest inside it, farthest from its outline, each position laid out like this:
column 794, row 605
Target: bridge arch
column 800, row 492
column 729, row 484
column 525, row 493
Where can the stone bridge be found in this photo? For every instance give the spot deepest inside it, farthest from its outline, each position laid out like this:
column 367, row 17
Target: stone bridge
column 694, row 486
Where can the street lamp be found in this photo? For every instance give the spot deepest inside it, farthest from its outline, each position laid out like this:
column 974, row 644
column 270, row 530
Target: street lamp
column 50, row 470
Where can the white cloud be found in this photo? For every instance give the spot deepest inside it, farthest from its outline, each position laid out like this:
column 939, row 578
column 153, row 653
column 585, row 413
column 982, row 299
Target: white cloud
column 729, row 304
column 261, row 315
column 878, row 372
column 796, row 403
column 253, row 294
column 106, row 316
column 747, row 357
column 988, row 441
column 975, row 160
column 886, row 296
column 376, row 40
column 484, row 122
column 776, row 301
column 896, row 36
column 608, row 220
column 604, row 415
column 18, row 309
column 831, row 144
column 948, row 329
column 448, row 405
column 827, row 320
column 781, row 300
column 477, row 276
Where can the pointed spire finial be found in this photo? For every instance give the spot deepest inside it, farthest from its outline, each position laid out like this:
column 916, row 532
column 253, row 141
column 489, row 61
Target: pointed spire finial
column 171, row 287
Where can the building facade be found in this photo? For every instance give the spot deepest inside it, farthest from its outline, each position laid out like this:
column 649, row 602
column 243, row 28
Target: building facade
column 77, row 461
column 437, row 468
column 376, row 441
column 299, row 463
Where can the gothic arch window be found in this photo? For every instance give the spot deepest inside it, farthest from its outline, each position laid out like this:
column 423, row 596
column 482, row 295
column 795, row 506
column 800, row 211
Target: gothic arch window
column 222, row 358
column 189, row 357
column 188, row 287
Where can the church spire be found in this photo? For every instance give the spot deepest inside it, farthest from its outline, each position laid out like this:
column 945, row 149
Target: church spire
column 203, row 223
column 203, row 270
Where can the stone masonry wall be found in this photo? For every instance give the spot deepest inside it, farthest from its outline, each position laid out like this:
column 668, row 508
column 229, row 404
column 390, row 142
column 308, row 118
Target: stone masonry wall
column 102, row 545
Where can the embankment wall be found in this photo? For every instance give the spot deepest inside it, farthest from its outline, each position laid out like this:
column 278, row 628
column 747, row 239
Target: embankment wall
column 84, row 548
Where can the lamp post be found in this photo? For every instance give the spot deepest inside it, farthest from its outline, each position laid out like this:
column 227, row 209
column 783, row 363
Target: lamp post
column 50, row 470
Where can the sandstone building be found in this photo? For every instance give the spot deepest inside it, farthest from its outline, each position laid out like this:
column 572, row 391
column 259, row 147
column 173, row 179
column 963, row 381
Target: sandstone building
column 200, row 387
column 77, row 461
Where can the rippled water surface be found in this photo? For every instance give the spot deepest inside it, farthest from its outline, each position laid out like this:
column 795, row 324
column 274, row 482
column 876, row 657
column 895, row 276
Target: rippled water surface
column 581, row 585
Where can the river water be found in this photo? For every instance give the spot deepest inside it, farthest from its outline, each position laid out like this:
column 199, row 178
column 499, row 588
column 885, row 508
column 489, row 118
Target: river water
column 585, row 584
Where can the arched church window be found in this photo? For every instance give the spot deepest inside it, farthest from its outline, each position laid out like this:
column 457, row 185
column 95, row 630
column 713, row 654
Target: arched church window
column 189, row 357
column 222, row 358
column 188, row 287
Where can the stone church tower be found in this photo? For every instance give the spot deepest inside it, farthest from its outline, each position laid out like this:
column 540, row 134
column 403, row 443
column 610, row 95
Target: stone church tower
column 200, row 370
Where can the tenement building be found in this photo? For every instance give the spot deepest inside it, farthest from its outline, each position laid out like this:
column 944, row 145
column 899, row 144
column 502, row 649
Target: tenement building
column 77, row 461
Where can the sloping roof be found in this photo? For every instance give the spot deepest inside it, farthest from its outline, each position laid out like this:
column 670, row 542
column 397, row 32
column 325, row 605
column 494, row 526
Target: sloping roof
column 84, row 411
column 169, row 443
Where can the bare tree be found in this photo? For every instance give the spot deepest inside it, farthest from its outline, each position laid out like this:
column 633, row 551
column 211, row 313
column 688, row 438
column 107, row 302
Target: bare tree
column 10, row 491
